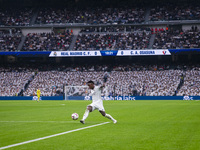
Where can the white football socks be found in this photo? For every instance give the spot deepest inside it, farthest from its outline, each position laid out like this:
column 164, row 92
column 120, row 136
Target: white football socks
column 109, row 117
column 86, row 114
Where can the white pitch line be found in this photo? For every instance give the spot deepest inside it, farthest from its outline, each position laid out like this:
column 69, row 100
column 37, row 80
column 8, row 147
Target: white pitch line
column 50, row 136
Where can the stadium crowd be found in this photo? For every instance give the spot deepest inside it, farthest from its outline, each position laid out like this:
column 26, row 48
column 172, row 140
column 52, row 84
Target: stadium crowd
column 146, row 80
column 3, row 32
column 92, row 16
column 15, row 16
column 102, row 38
column 113, row 29
column 176, row 38
column 13, row 81
column 124, row 80
column 51, row 81
column 47, row 41
column 116, row 41
column 148, row 83
column 151, row 83
column 171, row 12
column 97, row 15
column 191, row 84
column 10, row 31
column 105, row 29
column 9, row 42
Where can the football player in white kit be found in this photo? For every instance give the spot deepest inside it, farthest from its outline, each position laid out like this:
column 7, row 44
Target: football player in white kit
column 97, row 102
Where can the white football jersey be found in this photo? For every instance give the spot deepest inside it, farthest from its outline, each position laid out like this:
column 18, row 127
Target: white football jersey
column 96, row 95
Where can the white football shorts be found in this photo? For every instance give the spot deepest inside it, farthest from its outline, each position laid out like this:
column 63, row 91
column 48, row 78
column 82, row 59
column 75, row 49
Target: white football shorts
column 97, row 106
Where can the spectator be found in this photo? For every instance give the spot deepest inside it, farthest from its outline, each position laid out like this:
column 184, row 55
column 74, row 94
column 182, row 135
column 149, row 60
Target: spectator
column 15, row 16
column 92, row 16
column 177, row 39
column 9, row 42
column 47, row 41
column 115, row 41
column 171, row 12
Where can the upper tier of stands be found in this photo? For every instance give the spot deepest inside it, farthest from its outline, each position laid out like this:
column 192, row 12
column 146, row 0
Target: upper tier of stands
column 115, row 41
column 172, row 12
column 97, row 15
column 15, row 16
column 101, row 34
column 91, row 16
column 176, row 38
column 102, row 38
column 9, row 42
column 47, row 41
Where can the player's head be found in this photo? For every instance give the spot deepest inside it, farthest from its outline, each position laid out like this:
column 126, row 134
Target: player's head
column 90, row 84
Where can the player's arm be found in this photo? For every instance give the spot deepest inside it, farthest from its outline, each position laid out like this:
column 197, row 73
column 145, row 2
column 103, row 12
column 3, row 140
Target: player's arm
column 92, row 92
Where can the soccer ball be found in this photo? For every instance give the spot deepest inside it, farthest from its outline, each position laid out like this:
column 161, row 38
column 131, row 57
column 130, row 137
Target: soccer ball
column 75, row 116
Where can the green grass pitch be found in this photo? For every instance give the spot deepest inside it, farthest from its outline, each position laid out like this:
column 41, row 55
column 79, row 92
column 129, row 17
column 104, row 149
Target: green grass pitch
column 142, row 125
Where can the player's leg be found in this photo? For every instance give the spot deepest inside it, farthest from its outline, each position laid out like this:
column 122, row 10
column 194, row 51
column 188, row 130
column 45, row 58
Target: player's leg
column 108, row 116
column 38, row 98
column 86, row 114
column 102, row 111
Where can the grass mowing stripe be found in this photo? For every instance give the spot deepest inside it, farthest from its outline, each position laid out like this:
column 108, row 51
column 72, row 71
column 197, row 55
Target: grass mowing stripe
column 40, row 121
column 74, row 121
column 50, row 136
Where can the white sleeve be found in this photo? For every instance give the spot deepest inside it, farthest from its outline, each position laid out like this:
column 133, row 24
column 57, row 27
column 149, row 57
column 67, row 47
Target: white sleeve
column 92, row 92
column 100, row 87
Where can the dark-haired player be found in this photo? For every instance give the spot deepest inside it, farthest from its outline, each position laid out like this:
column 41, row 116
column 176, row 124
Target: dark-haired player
column 97, row 102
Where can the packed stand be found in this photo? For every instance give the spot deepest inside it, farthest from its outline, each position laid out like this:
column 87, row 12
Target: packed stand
column 146, row 83
column 171, row 12
column 124, row 80
column 113, row 29
column 51, row 81
column 103, row 29
column 143, row 80
column 191, row 86
column 16, row 31
column 176, row 38
column 13, row 81
column 115, row 41
column 90, row 15
column 15, row 16
column 2, row 32
column 9, row 42
column 47, row 41
column 10, row 31
column 136, row 40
